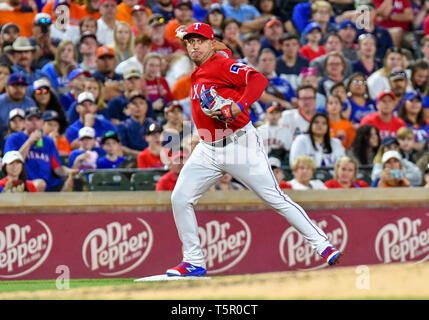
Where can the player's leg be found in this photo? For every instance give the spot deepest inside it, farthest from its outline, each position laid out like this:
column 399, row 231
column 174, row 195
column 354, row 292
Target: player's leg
column 197, row 175
column 257, row 175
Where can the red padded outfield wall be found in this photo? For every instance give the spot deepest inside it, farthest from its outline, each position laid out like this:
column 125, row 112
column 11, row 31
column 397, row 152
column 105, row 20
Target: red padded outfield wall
column 138, row 244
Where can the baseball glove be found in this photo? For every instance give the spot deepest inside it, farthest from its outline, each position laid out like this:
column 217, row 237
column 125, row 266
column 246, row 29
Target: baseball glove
column 212, row 102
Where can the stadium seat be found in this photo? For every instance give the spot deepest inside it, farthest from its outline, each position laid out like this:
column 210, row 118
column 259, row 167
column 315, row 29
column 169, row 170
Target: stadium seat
column 288, row 174
column 146, row 180
column 322, row 174
column 362, row 175
column 108, row 181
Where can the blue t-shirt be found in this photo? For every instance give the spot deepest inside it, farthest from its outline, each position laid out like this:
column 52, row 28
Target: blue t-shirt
column 117, row 105
column 77, row 152
column 73, row 115
column 199, row 12
column 358, row 112
column 101, row 126
column 56, row 80
column 104, row 163
column 6, row 105
column 421, row 134
column 266, row 44
column 281, row 85
column 301, row 15
column 67, row 100
column 245, row 13
column 132, row 133
column 40, row 161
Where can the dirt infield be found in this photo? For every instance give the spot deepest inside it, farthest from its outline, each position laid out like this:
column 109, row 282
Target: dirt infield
column 393, row 281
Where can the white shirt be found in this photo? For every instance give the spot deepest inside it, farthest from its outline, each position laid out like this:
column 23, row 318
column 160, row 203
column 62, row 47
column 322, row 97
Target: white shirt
column 378, row 82
column 294, row 121
column 130, row 63
column 314, row 184
column 72, row 33
column 275, row 137
column 302, row 146
column 104, row 33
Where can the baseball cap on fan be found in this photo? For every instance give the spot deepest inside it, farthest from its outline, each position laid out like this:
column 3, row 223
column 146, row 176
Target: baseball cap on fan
column 201, row 29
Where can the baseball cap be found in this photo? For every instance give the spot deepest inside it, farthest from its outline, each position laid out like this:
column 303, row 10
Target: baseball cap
column 347, row 24
column 11, row 156
column 9, row 25
column 86, row 132
column 310, row 27
column 172, row 105
column 17, row 78
column 110, row 135
column 42, row 18
column 153, row 128
column 413, row 95
column 273, row 107
column 156, row 20
column 43, row 82
column 137, row 8
column 272, row 21
column 105, row 51
column 389, row 141
column 132, row 73
column 49, row 115
column 76, row 73
column 87, row 34
column 201, row 29
column 85, row 96
column 389, row 155
column 398, row 74
column 274, row 162
column 136, row 94
column 17, row 112
column 384, row 93
column 215, row 7
column 250, row 37
column 187, row 3
column 33, row 111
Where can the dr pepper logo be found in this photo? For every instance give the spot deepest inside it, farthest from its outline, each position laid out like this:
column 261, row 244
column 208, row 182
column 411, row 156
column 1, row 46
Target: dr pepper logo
column 224, row 243
column 405, row 239
column 117, row 248
column 23, row 248
column 297, row 253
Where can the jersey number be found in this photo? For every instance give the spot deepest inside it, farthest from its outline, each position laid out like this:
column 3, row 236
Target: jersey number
column 236, row 67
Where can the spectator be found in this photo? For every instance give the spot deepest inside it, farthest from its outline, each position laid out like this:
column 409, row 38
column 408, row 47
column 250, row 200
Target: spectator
column 290, row 64
column 46, row 99
column 424, row 47
column 269, row 8
column 42, row 160
column 348, row 31
column 75, row 11
column 333, row 43
column 89, row 23
column 412, row 112
column 412, row 171
column 279, row 89
column 308, row 77
column 164, row 8
column 76, row 79
column 358, row 98
column 407, row 145
column 383, row 119
column 298, row 120
column 273, row 32
column 176, row 128
column 341, row 128
column 301, row 15
column 142, row 46
column 366, row 62
column 277, row 139
column 232, row 37
column 251, row 48
column 226, row 183
column 303, row 169
column 398, row 82
column 112, row 146
column 5, row 72
column 52, row 128
column 64, row 29
column 339, row 89
column 106, row 74
column 346, row 170
column 87, row 108
column 107, row 22
column 96, row 88
column 8, row 34
column 125, row 9
column 365, row 145
column 321, row 13
column 154, row 156
column 246, row 14
column 312, row 49
column 334, row 68
column 88, row 50
column 278, row 172
column 15, row 124
column 200, row 9
column 183, row 13
column 17, row 12
column 14, row 97
column 154, row 86
column 123, row 41
column 317, row 143
column 86, row 156
column 139, row 18
column 215, row 17
column 24, row 54
column 168, row 180
column 64, row 63
column 15, row 175
column 132, row 130
column 393, row 174
column 419, row 76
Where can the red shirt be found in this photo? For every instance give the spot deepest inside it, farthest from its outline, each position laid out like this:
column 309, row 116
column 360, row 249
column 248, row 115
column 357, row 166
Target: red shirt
column 29, row 183
column 167, row 182
column 168, row 47
column 307, row 52
column 398, row 7
column 285, row 185
column 387, row 129
column 231, row 79
column 332, row 184
column 147, row 159
column 158, row 88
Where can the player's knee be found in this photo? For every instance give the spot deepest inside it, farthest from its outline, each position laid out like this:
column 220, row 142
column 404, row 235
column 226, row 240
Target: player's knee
column 178, row 199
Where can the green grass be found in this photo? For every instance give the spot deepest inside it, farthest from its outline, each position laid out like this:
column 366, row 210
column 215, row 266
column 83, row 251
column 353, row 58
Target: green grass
column 34, row 285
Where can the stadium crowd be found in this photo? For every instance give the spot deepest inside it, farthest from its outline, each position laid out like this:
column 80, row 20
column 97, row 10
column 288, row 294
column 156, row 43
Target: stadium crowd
column 102, row 84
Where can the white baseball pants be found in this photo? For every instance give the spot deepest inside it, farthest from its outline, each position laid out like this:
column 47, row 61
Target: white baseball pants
column 246, row 160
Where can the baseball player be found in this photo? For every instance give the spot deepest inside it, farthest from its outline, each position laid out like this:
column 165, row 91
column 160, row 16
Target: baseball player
column 222, row 89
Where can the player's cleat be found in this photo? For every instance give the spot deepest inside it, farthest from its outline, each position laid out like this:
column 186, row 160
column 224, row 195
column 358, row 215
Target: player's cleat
column 331, row 255
column 185, row 269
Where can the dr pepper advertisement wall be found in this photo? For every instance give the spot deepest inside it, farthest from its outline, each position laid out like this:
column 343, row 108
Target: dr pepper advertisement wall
column 133, row 234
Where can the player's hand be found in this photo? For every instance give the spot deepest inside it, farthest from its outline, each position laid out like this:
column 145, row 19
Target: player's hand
column 35, row 136
column 234, row 108
column 180, row 32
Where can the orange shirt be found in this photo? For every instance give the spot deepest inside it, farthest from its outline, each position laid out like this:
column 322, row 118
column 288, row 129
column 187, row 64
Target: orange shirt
column 182, row 87
column 348, row 131
column 170, row 29
column 124, row 14
column 95, row 15
column 76, row 12
column 22, row 16
column 63, row 146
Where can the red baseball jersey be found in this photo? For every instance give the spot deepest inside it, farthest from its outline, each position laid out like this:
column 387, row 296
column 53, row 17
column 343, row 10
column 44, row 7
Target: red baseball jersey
column 232, row 80
column 386, row 129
